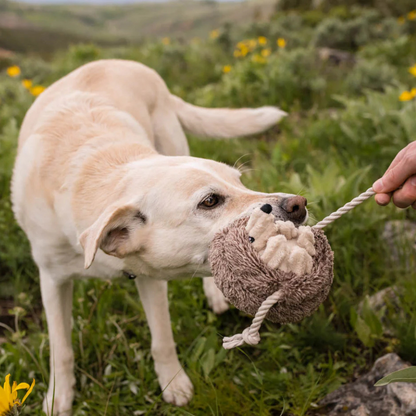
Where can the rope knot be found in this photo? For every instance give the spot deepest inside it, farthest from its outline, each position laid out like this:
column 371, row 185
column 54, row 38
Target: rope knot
column 251, row 339
column 238, row 340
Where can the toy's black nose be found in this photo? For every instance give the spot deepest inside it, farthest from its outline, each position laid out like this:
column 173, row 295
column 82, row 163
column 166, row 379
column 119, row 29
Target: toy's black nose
column 267, row 208
column 295, row 208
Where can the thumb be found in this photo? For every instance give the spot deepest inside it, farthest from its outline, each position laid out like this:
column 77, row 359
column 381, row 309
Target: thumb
column 394, row 178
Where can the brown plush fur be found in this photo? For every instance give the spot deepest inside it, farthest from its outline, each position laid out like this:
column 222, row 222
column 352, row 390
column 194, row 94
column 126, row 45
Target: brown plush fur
column 246, row 281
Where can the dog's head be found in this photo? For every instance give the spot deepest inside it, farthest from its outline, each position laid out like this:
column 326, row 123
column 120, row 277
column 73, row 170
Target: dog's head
column 171, row 210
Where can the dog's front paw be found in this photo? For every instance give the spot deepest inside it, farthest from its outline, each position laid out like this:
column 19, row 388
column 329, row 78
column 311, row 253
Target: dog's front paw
column 216, row 300
column 59, row 403
column 177, row 389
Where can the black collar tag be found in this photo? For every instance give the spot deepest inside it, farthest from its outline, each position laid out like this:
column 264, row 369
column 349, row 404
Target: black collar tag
column 131, row 276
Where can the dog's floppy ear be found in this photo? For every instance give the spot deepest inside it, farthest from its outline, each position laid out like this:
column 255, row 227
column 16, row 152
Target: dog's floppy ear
column 111, row 232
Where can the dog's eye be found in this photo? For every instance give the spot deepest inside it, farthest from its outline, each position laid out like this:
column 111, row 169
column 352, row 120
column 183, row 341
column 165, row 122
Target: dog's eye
column 210, row 201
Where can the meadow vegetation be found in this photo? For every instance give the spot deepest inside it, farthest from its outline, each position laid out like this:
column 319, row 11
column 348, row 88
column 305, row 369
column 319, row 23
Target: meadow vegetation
column 348, row 117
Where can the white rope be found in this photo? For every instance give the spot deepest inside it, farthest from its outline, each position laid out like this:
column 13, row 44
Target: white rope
column 343, row 210
column 251, row 335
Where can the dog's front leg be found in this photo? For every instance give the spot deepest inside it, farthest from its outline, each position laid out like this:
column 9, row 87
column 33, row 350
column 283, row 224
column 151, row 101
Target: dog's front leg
column 57, row 301
column 175, row 384
column 216, row 299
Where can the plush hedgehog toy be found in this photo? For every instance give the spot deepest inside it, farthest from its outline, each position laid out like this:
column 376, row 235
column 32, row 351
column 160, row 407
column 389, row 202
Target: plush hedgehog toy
column 273, row 270
column 254, row 257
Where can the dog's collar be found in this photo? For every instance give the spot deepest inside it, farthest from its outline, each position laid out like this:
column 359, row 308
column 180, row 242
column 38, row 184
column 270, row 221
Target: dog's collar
column 131, row 276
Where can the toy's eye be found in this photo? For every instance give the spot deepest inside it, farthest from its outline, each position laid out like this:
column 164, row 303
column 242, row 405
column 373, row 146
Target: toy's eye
column 210, row 201
column 251, row 239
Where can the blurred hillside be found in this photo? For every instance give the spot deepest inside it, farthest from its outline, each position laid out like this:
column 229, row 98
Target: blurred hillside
column 44, row 28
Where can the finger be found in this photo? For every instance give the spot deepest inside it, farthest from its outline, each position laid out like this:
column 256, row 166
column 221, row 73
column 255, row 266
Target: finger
column 393, row 178
column 383, row 199
column 406, row 196
column 397, row 159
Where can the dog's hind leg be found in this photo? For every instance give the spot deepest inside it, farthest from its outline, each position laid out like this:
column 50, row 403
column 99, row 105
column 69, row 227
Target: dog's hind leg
column 176, row 386
column 216, row 299
column 170, row 140
column 57, row 301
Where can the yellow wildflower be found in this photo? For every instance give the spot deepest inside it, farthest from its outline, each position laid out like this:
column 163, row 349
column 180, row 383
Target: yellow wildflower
column 27, row 83
column 243, row 48
column 37, row 90
column 214, row 34
column 237, row 53
column 8, row 395
column 411, row 15
column 266, row 52
column 258, row 59
column 252, row 43
column 245, row 51
column 166, row 41
column 401, row 20
column 226, row 69
column 262, row 40
column 13, row 71
column 281, row 43
column 408, row 95
column 412, row 70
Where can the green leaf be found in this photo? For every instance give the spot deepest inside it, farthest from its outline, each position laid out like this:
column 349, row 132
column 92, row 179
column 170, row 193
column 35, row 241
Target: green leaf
column 198, row 349
column 364, row 332
column 208, row 362
column 407, row 375
column 353, row 317
column 371, row 319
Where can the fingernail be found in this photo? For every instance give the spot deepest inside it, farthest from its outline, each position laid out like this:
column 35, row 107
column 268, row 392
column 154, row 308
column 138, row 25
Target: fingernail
column 413, row 181
column 378, row 185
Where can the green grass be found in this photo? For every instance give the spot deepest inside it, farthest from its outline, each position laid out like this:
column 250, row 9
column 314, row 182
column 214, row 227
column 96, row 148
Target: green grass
column 345, row 126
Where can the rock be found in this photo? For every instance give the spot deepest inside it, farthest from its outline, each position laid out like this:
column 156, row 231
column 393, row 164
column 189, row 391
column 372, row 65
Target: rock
column 361, row 398
column 336, row 56
column 400, row 236
column 379, row 300
column 378, row 304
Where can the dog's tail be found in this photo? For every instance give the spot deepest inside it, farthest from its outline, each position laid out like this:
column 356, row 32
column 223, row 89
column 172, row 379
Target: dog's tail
column 224, row 123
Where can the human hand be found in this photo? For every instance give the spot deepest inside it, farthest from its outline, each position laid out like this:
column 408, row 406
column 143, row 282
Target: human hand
column 399, row 181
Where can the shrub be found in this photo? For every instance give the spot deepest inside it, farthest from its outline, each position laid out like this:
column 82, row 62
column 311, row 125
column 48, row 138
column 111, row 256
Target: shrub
column 372, row 74
column 286, row 78
column 294, row 4
column 377, row 123
column 398, row 51
column 351, row 34
column 387, row 7
column 333, row 33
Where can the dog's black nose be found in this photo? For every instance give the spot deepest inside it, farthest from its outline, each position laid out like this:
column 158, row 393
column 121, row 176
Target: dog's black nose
column 267, row 208
column 295, row 208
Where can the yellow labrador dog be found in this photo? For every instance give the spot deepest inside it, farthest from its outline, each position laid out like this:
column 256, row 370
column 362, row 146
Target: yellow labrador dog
column 104, row 185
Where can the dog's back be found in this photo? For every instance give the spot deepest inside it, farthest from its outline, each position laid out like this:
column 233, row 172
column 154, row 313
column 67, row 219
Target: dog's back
column 141, row 92
column 128, row 86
